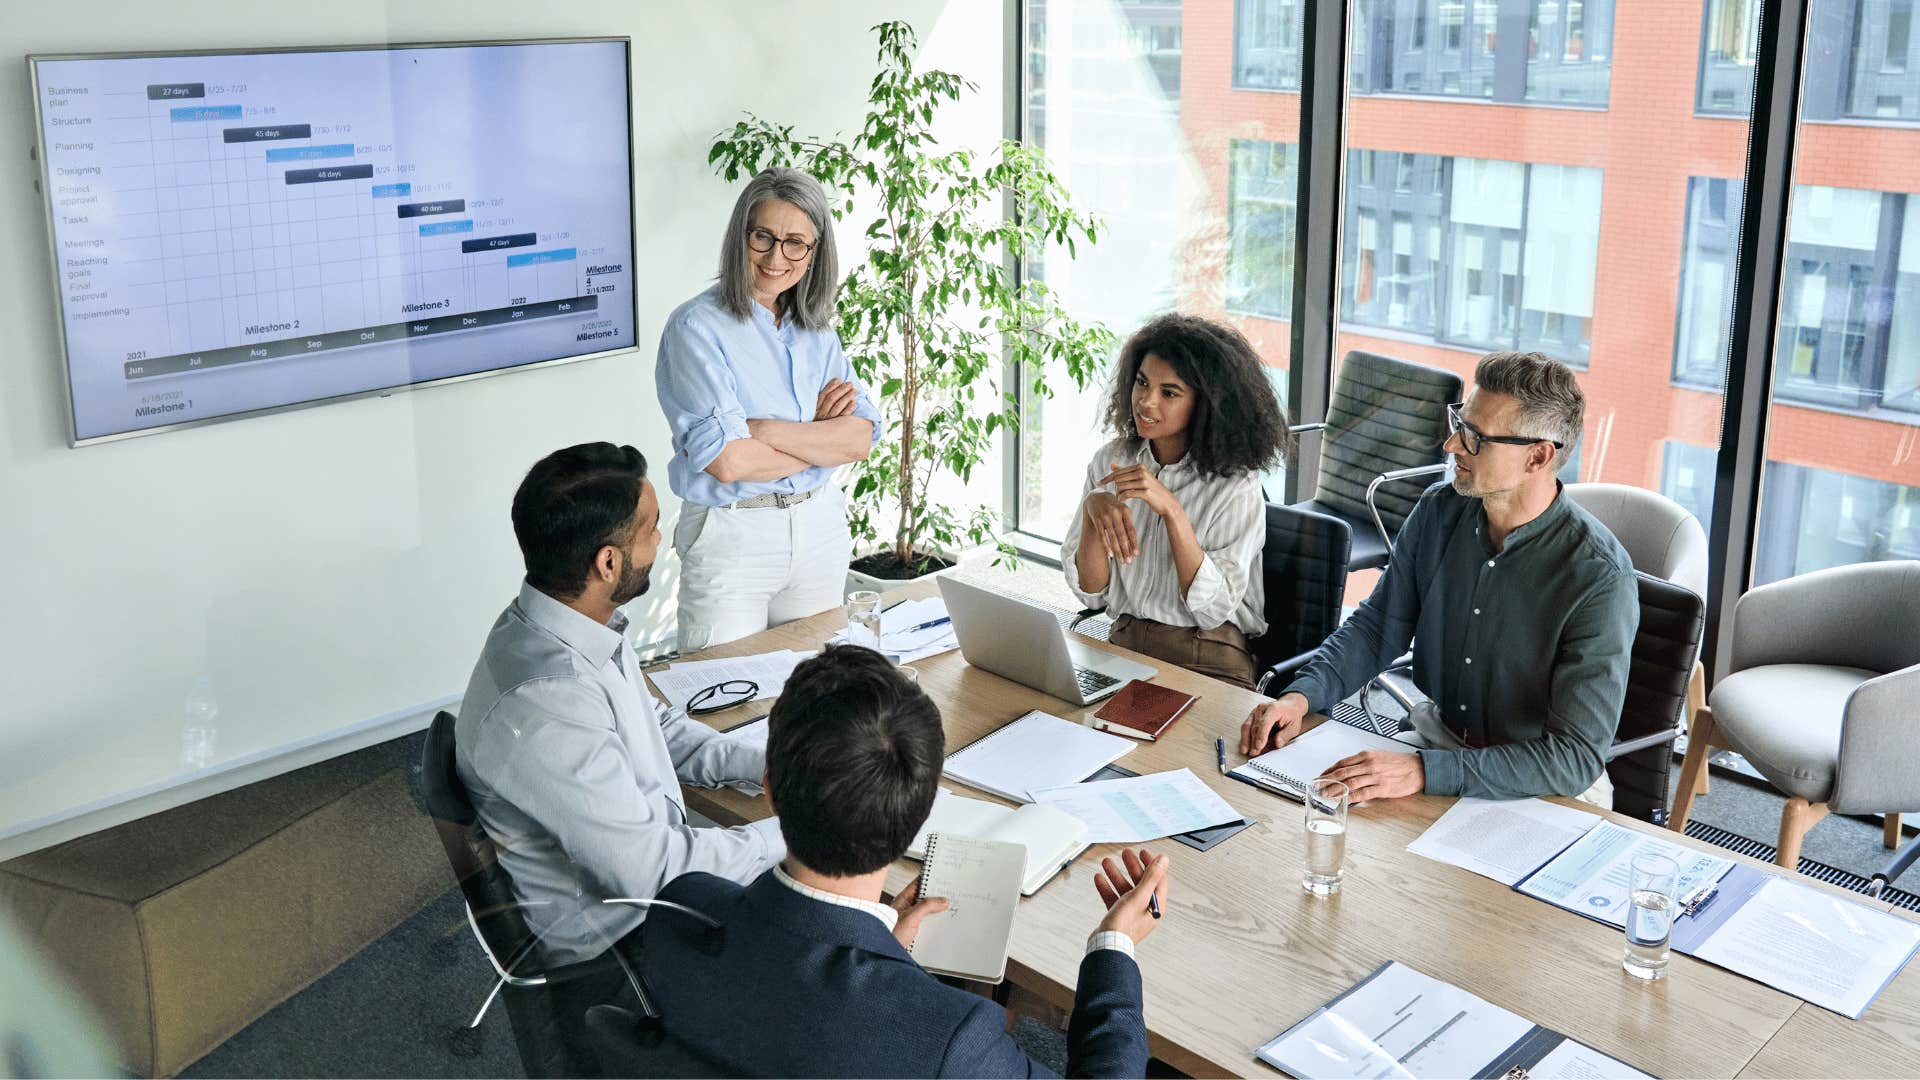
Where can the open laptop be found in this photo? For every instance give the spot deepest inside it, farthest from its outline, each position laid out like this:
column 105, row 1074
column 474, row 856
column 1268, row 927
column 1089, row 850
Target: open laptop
column 1026, row 643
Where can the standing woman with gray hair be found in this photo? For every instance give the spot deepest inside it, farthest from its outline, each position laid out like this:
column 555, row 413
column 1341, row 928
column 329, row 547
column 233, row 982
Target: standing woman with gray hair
column 763, row 406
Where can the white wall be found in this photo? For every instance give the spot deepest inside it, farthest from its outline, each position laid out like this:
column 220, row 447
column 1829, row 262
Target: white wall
column 339, row 564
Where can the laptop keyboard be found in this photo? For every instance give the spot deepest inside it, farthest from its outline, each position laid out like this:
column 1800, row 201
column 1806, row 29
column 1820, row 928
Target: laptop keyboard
column 1092, row 682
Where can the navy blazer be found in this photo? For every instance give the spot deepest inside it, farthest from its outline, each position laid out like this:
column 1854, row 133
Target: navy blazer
column 791, row 986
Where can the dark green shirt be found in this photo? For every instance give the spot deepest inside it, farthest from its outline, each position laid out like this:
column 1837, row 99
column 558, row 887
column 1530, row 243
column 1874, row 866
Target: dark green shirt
column 1524, row 650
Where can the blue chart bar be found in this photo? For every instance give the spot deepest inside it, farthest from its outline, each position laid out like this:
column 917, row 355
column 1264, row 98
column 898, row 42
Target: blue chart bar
column 309, row 153
column 441, row 228
column 205, row 112
column 534, row 258
column 392, row 191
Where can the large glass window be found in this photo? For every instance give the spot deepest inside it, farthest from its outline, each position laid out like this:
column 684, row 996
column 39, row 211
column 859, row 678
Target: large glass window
column 1177, row 124
column 1553, row 52
column 1850, row 299
column 1841, row 483
column 1863, row 60
column 1585, row 234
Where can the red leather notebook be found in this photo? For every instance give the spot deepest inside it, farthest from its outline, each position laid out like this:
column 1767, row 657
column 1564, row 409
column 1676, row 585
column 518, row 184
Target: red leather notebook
column 1142, row 710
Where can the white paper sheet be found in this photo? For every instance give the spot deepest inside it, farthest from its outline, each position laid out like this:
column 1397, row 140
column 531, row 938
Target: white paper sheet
column 1821, row 948
column 900, row 641
column 1136, row 808
column 1573, row 1061
column 1593, row 876
column 678, row 683
column 1401, row 1023
column 1505, row 841
column 1036, row 752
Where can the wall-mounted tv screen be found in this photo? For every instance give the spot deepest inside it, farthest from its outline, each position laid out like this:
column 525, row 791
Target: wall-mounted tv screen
column 240, row 232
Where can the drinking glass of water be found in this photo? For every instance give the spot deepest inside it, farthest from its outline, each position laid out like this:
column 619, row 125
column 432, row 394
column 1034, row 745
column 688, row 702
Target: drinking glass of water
column 863, row 618
column 1326, row 836
column 1650, row 915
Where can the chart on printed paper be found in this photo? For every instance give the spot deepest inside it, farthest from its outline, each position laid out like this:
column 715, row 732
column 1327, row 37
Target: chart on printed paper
column 247, row 231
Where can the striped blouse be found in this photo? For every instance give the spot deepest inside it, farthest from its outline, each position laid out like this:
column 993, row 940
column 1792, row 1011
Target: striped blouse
column 1229, row 519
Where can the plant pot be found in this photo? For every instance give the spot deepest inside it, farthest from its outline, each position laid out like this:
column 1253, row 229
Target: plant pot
column 858, row 580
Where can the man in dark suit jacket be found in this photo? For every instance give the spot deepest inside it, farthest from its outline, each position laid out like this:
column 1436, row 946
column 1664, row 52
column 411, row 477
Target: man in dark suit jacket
column 808, row 973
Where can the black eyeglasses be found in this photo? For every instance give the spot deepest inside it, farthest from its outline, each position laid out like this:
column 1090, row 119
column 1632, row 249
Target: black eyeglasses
column 1471, row 437
column 792, row 247
column 722, row 696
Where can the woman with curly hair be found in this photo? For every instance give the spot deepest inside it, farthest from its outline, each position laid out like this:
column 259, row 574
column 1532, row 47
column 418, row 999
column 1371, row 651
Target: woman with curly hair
column 1168, row 534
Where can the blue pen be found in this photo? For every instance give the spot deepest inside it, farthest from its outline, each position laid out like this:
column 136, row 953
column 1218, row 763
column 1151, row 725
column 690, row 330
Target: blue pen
column 1153, row 903
column 928, row 625
column 1220, row 751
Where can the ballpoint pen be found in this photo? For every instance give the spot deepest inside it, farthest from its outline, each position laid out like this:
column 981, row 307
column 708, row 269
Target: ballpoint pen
column 1153, row 903
column 928, row 625
column 1220, row 751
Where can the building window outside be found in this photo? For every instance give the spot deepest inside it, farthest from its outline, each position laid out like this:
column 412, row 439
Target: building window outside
column 1812, row 519
column 1686, row 477
column 1550, row 52
column 1518, row 244
column 1266, row 44
column 1850, row 307
column 1260, row 220
column 1874, row 73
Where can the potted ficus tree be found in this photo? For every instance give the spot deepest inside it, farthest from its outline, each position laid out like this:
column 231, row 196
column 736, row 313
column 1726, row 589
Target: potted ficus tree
column 936, row 308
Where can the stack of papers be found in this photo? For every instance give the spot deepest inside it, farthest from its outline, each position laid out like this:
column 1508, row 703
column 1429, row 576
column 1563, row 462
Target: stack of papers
column 1035, row 752
column 680, row 682
column 1139, row 808
column 1505, row 841
column 904, row 635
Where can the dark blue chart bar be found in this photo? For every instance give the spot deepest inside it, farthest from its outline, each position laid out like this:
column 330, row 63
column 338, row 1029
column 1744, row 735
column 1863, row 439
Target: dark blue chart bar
column 495, row 243
column 204, row 112
column 267, row 133
column 427, row 209
column 170, row 91
column 366, row 335
column 331, row 172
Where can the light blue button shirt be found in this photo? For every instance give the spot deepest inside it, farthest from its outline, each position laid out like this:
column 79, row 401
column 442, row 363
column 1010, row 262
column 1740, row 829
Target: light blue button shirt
column 716, row 372
column 576, row 777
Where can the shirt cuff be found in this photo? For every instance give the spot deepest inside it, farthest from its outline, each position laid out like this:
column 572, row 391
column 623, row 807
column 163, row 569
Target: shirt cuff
column 706, row 436
column 1443, row 771
column 1109, row 939
column 1207, row 596
column 768, row 830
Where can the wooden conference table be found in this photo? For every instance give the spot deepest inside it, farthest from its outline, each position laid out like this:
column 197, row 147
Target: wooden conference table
column 1244, row 952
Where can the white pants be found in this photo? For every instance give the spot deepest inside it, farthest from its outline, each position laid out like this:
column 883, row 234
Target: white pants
column 1435, row 735
column 742, row 571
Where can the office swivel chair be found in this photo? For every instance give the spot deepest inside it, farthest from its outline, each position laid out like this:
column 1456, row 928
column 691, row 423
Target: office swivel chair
column 1303, row 569
column 546, row 1005
column 1660, row 683
column 1385, row 424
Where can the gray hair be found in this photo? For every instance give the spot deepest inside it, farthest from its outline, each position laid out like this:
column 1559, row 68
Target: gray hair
column 810, row 301
column 1551, row 404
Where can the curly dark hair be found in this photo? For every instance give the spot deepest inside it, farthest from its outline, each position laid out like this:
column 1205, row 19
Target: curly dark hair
column 1236, row 425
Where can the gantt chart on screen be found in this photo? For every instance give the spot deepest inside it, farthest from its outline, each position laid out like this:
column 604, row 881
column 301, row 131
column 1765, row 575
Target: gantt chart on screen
column 242, row 232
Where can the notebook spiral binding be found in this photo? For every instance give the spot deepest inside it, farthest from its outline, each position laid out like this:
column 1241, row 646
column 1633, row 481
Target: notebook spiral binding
column 926, row 868
column 1289, row 782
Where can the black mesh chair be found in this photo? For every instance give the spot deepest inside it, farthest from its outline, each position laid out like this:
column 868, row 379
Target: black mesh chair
column 629, row 1044
column 1640, row 763
column 1384, row 428
column 1303, row 567
column 546, row 1005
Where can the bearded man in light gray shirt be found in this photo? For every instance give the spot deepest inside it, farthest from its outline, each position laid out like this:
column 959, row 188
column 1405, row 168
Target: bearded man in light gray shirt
column 574, row 772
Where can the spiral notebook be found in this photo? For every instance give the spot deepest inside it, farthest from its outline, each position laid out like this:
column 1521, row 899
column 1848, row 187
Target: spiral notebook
column 980, row 879
column 1288, row 770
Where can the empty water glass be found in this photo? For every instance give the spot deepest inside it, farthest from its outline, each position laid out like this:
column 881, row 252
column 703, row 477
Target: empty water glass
column 863, row 618
column 1326, row 818
column 1650, row 912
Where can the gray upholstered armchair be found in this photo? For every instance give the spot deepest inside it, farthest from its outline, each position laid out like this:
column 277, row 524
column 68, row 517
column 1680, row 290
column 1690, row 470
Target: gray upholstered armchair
column 1823, row 698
